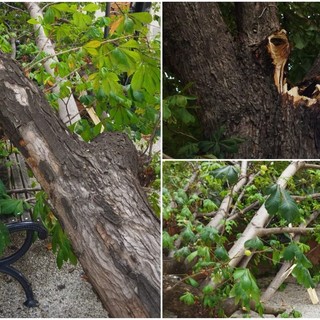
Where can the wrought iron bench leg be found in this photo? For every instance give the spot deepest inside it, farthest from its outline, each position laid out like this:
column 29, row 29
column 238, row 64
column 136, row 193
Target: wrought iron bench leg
column 5, row 263
column 11, row 271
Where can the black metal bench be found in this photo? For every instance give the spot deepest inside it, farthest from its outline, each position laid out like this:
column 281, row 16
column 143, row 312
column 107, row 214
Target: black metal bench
column 19, row 182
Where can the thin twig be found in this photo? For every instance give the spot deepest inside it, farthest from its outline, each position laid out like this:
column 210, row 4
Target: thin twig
column 14, row 8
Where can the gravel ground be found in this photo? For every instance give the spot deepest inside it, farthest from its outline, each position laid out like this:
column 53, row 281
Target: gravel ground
column 296, row 297
column 293, row 297
column 61, row 293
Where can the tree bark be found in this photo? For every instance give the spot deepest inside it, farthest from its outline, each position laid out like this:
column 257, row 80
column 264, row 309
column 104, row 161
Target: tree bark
column 96, row 194
column 235, row 88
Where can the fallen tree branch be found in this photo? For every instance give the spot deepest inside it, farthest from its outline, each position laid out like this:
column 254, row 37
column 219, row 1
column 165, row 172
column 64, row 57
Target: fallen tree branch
column 262, row 232
column 223, row 210
column 280, row 277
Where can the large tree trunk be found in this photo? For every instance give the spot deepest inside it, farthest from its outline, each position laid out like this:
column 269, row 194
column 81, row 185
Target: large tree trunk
column 96, row 194
column 234, row 87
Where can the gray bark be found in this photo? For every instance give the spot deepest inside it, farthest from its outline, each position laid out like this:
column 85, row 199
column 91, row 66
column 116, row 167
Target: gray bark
column 96, row 195
column 235, row 85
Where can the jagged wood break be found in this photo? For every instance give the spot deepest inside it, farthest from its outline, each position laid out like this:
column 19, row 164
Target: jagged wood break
column 306, row 93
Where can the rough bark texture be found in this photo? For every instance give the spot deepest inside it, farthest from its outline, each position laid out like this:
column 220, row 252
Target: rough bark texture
column 234, row 87
column 95, row 192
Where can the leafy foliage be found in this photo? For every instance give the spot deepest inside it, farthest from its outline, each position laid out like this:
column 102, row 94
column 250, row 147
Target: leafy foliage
column 302, row 22
column 190, row 207
column 60, row 243
column 182, row 135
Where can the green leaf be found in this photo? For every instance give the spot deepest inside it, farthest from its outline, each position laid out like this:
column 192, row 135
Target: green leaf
column 303, row 260
column 81, row 20
column 192, row 282
column 192, row 255
column 208, row 289
column 185, row 212
column 303, row 276
column 187, row 234
column 132, row 44
column 181, row 253
column 62, row 7
column 49, row 16
column 87, row 99
column 273, row 202
column 167, row 240
column 209, row 233
column 146, row 77
column 288, row 208
column 92, row 51
column 254, row 243
column 166, row 112
column 204, row 252
column 290, row 252
column 92, row 44
column 239, row 273
column 143, row 17
column 221, row 253
column 11, row 206
column 91, row 7
column 185, row 116
column 188, row 298
column 128, row 24
column 230, row 173
column 33, row 21
column 209, row 205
